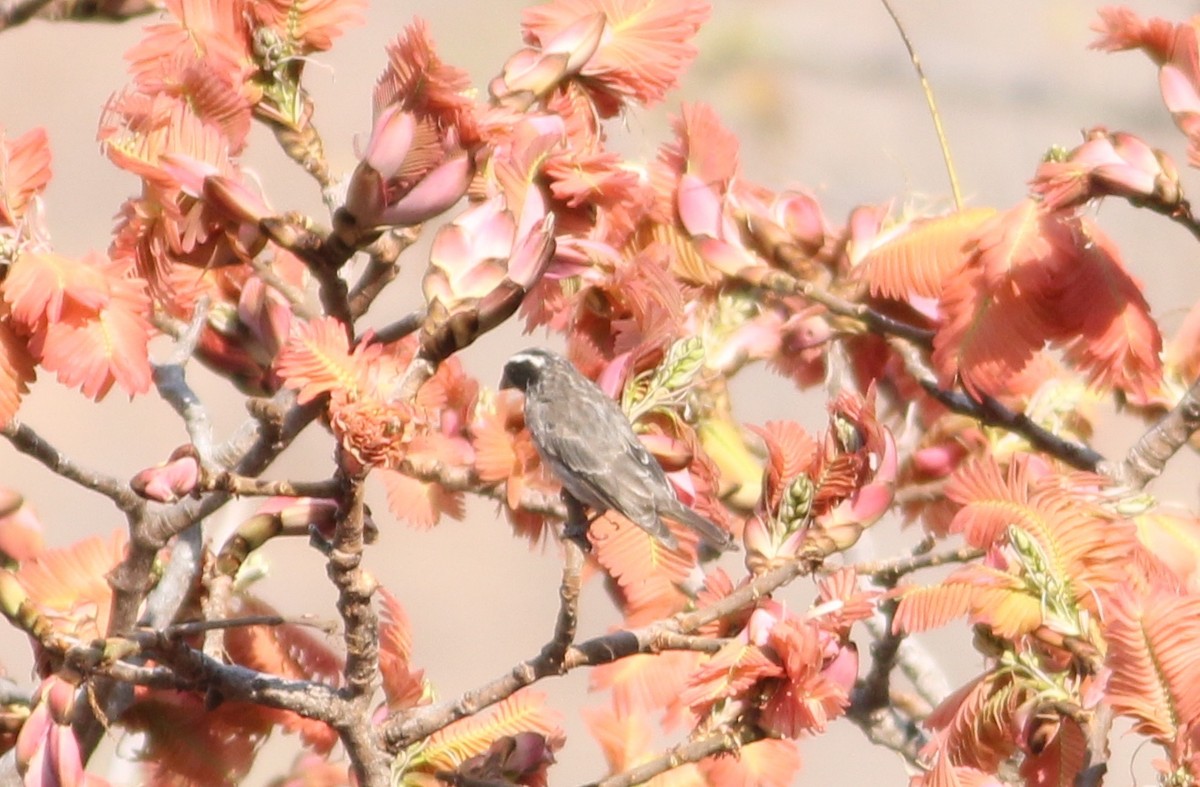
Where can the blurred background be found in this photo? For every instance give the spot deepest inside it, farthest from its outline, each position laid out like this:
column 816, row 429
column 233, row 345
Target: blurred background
column 822, row 95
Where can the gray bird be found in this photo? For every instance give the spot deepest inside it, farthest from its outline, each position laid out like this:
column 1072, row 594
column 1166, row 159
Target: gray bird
column 587, row 442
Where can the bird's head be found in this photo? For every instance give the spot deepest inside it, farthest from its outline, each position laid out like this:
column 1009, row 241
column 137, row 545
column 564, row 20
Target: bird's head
column 526, row 368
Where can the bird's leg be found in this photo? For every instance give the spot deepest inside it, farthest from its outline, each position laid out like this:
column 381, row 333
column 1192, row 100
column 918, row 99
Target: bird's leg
column 576, row 527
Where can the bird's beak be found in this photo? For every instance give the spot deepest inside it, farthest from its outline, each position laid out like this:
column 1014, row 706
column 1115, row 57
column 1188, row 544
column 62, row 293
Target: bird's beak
column 505, row 381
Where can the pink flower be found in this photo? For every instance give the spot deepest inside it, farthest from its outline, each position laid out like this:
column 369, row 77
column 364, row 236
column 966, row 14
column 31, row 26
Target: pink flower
column 170, row 480
column 409, row 174
column 486, row 251
column 532, row 73
column 1108, row 164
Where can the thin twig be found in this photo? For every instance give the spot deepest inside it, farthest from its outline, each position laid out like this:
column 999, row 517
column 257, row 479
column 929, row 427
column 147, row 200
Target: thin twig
column 294, row 296
column 684, row 753
column 170, row 379
column 405, row 727
column 888, row 571
column 465, row 479
column 190, row 627
column 568, row 607
column 401, row 328
column 871, row 692
column 785, row 284
column 20, row 12
column 30, row 443
column 212, row 480
column 990, row 412
column 929, row 100
column 384, row 254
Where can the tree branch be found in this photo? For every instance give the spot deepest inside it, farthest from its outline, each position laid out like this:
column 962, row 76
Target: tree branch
column 1150, row 454
column 1096, row 754
column 18, row 12
column 565, row 626
column 30, row 443
column 191, row 669
column 465, row 479
column 888, row 571
column 217, row 480
column 782, row 283
column 397, row 330
column 384, row 253
column 403, row 728
column 355, row 588
column 360, row 633
column 693, row 751
column 992, row 413
column 170, row 379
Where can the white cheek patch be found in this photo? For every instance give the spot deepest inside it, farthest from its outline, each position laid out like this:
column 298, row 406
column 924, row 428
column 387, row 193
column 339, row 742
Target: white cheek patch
column 530, row 361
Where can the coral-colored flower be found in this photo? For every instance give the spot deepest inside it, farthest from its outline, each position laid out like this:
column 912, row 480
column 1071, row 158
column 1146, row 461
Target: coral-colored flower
column 419, row 82
column 87, row 320
column 24, row 173
column 1109, row 164
column 643, row 49
column 376, row 433
column 818, row 675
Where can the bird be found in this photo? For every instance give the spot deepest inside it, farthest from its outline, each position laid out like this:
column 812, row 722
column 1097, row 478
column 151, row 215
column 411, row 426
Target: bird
column 587, row 442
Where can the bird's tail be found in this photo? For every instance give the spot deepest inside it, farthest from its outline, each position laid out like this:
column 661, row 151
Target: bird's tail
column 710, row 531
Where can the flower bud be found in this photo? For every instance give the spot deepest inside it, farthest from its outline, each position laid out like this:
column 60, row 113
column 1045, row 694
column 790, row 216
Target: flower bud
column 169, row 481
column 530, row 74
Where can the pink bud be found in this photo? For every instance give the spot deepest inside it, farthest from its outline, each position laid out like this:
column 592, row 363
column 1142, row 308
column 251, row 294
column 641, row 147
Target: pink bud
column 842, row 671
column 800, row 214
column 31, row 742
column 533, row 253
column 433, row 195
column 579, row 41
column 530, row 74
column 1178, row 92
column 391, row 140
column 402, row 182
column 700, row 207
column 189, row 173
column 234, row 200
column 318, row 512
column 59, row 696
column 527, row 754
column 171, row 480
column 267, row 316
column 64, row 757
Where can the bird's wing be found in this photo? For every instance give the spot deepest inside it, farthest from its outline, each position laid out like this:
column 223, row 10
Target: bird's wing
column 597, row 456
